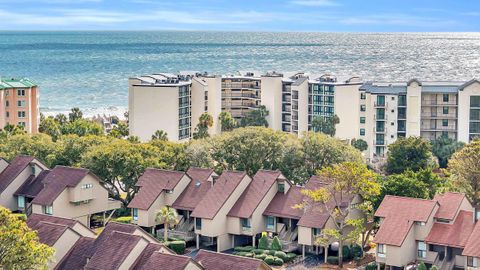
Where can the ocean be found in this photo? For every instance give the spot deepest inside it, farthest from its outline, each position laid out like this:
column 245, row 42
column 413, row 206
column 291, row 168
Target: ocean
column 90, row 69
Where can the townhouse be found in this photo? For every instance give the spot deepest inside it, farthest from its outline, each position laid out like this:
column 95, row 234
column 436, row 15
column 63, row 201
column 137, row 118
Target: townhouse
column 377, row 112
column 19, row 99
column 233, row 209
column 27, row 185
column 123, row 246
column 441, row 232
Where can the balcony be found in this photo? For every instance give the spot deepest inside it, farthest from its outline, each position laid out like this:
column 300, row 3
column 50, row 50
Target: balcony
column 379, row 104
column 451, row 128
column 434, row 102
column 381, row 117
column 379, row 143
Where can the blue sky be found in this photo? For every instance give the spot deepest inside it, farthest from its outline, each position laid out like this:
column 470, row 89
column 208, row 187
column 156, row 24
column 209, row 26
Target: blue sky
column 243, row 15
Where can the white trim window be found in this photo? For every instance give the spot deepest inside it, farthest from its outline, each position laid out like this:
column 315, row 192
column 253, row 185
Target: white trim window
column 135, row 213
column 421, row 249
column 472, row 262
column 48, row 210
column 381, row 250
column 21, row 201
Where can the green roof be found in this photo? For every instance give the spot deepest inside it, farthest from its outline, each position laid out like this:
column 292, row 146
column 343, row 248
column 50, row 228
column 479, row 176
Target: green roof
column 16, row 83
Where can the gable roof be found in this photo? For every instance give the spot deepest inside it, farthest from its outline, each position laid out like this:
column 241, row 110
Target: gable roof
column 33, row 185
column 196, row 189
column 77, row 257
column 452, row 235
column 152, row 183
column 283, row 204
column 34, row 221
column 465, row 85
column 113, row 252
column 449, row 203
column 56, row 181
column 11, row 172
column 167, row 262
column 218, row 194
column 254, row 193
column 220, row 261
column 146, row 253
column 472, row 248
column 400, row 214
column 49, row 233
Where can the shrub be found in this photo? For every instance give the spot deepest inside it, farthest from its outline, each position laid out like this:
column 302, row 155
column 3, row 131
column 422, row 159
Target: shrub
column 332, row 259
column 346, row 252
column 278, row 261
column 357, row 251
column 422, row 266
column 258, row 251
column 260, row 256
column 177, row 246
column 270, row 252
column 371, row 266
column 126, row 220
column 20, row 216
column 291, row 256
column 269, row 260
column 276, row 245
column 243, row 249
column 434, row 267
column 249, row 254
column 263, row 242
column 280, row 254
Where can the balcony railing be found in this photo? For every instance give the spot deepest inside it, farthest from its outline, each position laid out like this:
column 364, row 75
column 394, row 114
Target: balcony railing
column 438, row 103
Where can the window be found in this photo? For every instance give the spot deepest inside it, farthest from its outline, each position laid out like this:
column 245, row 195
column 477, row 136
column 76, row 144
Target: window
column 392, row 123
column 169, row 191
column 442, row 220
column 362, row 132
column 363, row 108
column 135, row 213
column 7, row 103
column 86, row 186
column 445, row 122
column 445, row 97
column 393, row 98
column 380, row 100
column 21, row 103
column 422, row 249
column 419, row 223
column 472, row 262
column 198, row 223
column 445, row 110
column 380, row 126
column 22, row 124
column 281, row 187
column 246, row 223
column 48, row 210
column 362, row 120
column 21, row 202
column 363, row 95
column 475, row 101
column 8, row 114
column 21, row 92
column 270, row 223
column 316, row 231
column 381, row 114
column 402, row 100
column 381, row 250
column 21, row 114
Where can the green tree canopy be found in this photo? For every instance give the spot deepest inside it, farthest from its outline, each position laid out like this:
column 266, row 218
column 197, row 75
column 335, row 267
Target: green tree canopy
column 50, row 126
column 360, row 144
column 257, row 117
column 227, row 122
column 444, row 147
column 168, row 216
column 75, row 115
column 160, row 135
column 325, row 125
column 465, row 167
column 20, row 247
column 411, row 153
column 39, row 145
column 204, row 122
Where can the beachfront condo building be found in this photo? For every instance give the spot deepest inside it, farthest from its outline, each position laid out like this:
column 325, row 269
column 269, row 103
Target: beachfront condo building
column 376, row 112
column 19, row 104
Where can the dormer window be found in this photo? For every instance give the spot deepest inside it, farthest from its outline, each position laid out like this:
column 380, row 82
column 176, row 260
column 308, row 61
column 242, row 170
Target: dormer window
column 48, row 210
column 86, row 186
column 281, row 187
column 442, row 220
column 420, row 223
column 21, row 202
column 169, row 191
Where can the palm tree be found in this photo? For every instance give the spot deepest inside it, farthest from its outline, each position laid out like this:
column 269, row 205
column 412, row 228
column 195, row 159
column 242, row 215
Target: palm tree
column 167, row 216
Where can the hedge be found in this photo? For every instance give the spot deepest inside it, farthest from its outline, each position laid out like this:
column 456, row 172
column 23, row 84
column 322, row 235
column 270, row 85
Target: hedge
column 357, row 251
column 270, row 252
column 278, row 261
column 263, row 242
column 346, row 252
column 258, row 251
column 280, row 254
column 261, row 256
column 126, row 220
column 332, row 259
column 269, row 260
column 422, row 266
column 244, row 249
column 177, row 246
column 276, row 245
column 291, row 256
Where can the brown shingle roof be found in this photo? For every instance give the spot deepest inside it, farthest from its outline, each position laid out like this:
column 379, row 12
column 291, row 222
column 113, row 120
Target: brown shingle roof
column 33, row 185
column 220, row 261
column 56, row 181
column 400, row 214
column 109, row 228
column 282, row 204
column 452, row 235
column 449, row 204
column 9, row 174
column 195, row 191
column 145, row 255
column 218, row 194
column 254, row 193
column 472, row 248
column 34, row 220
column 166, row 261
column 78, row 256
column 152, row 183
column 112, row 253
column 49, row 233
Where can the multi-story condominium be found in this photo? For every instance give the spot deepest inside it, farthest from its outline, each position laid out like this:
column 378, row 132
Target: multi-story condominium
column 27, row 185
column 233, row 209
column 122, row 247
column 241, row 94
column 444, row 232
column 19, row 104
